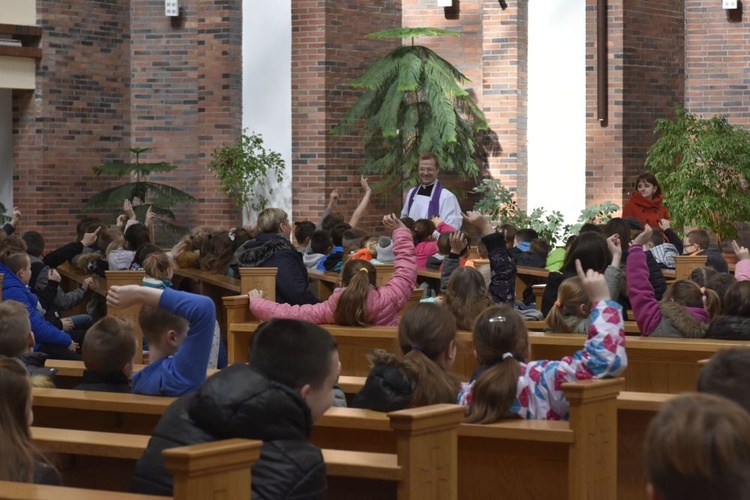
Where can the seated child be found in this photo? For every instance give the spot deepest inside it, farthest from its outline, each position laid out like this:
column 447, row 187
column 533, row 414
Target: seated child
column 522, row 244
column 383, row 251
column 17, row 341
column 427, row 338
column 108, row 353
column 22, row 461
column 335, row 258
column 352, row 240
column 508, row 385
column 358, row 301
column 570, row 314
column 697, row 242
column 685, row 309
column 320, row 246
column 727, row 374
column 277, row 397
column 369, row 250
column 16, row 266
column 424, row 236
column 663, row 252
column 179, row 327
column 303, row 231
column 698, row 448
column 120, row 258
column 45, row 280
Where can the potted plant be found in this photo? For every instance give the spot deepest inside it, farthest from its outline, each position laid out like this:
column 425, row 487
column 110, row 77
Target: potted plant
column 413, row 102
column 243, row 168
column 703, row 166
column 141, row 192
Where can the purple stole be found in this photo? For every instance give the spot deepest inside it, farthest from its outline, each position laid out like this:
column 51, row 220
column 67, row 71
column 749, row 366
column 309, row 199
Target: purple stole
column 434, row 208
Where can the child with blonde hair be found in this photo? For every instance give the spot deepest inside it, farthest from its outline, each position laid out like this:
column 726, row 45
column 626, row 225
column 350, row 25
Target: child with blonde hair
column 571, row 310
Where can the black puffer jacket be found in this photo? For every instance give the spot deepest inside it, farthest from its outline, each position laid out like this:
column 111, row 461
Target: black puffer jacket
column 729, row 328
column 239, row 402
column 274, row 250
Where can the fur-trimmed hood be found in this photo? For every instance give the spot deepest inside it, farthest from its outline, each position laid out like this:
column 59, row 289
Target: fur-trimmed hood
column 689, row 322
column 255, row 252
column 390, row 385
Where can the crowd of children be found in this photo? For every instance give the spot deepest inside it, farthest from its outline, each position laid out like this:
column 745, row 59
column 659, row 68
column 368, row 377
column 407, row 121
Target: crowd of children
column 600, row 274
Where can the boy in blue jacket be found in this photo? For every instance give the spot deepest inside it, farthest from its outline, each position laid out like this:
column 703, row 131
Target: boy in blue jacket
column 179, row 327
column 16, row 266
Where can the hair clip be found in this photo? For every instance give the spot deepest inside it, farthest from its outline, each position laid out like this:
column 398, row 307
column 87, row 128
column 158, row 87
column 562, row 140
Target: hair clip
column 416, row 347
column 232, row 234
column 558, row 303
column 497, row 319
column 703, row 290
column 364, row 269
column 507, row 355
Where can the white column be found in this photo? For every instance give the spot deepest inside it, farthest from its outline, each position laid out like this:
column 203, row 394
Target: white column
column 267, row 83
column 557, row 106
column 6, row 148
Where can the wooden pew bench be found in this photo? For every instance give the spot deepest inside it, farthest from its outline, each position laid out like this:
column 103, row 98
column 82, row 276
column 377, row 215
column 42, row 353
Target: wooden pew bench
column 200, row 471
column 631, row 328
column 516, row 458
column 106, row 460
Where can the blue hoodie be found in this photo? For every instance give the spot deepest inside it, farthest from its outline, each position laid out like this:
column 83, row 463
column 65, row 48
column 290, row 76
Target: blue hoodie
column 186, row 370
column 44, row 331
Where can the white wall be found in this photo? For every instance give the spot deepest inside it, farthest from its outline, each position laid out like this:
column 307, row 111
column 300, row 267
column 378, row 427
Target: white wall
column 267, row 82
column 18, row 12
column 6, row 149
column 557, row 106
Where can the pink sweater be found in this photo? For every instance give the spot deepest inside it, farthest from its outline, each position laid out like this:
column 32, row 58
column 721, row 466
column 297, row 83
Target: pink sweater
column 383, row 303
column 427, row 249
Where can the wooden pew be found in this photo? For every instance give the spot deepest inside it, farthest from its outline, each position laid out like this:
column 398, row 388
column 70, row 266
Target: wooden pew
column 526, row 276
column 631, row 327
column 200, row 471
column 323, row 283
column 217, row 286
column 354, row 343
column 516, row 458
column 420, row 434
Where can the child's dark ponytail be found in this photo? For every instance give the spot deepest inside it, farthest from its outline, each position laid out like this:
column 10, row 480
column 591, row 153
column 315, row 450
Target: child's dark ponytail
column 500, row 340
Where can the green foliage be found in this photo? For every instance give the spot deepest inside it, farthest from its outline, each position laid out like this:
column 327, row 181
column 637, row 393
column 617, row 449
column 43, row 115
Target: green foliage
column 595, row 214
column 160, row 197
column 703, row 166
column 499, row 203
column 411, row 33
column 243, row 166
column 413, row 102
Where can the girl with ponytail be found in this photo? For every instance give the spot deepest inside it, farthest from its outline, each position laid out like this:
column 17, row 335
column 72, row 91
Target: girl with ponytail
column 427, row 340
column 22, row 461
column 570, row 314
column 359, row 302
column 506, row 384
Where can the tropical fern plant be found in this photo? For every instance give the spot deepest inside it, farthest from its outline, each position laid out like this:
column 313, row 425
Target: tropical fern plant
column 140, row 191
column 413, row 102
column 703, row 166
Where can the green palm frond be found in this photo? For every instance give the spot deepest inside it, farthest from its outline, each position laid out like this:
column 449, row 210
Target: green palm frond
column 413, row 101
column 411, row 33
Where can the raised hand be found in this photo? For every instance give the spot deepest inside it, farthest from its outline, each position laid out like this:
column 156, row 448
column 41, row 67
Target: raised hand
column 458, row 242
column 644, row 236
column 593, row 283
column 124, row 296
column 88, row 283
column 742, row 253
column 54, row 275
column 664, row 224
column 127, row 207
column 392, row 222
column 90, row 238
column 481, row 221
column 364, row 183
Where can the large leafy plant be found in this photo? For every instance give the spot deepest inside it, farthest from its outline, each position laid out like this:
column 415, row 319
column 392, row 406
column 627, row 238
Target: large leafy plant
column 141, row 192
column 3, row 217
column 414, row 102
column 703, row 166
column 243, row 167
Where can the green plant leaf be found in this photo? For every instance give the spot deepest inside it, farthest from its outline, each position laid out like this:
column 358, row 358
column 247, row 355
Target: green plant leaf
column 411, row 33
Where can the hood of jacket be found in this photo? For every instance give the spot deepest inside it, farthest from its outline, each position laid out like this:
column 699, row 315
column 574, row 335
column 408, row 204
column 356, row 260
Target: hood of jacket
column 312, row 259
column 255, row 252
column 13, row 287
column 390, row 384
column 729, row 328
column 638, row 200
column 239, row 402
column 691, row 322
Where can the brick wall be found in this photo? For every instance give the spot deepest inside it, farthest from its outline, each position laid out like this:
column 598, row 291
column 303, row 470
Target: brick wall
column 115, row 76
column 328, row 51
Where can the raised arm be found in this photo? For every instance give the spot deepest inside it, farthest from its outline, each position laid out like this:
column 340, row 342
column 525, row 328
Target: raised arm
column 641, row 293
column 362, row 207
column 503, row 283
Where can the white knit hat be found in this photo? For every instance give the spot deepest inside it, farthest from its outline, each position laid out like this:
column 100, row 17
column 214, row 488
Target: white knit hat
column 385, row 250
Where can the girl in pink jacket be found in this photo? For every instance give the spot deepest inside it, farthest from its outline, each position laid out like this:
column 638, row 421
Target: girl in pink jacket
column 359, row 302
